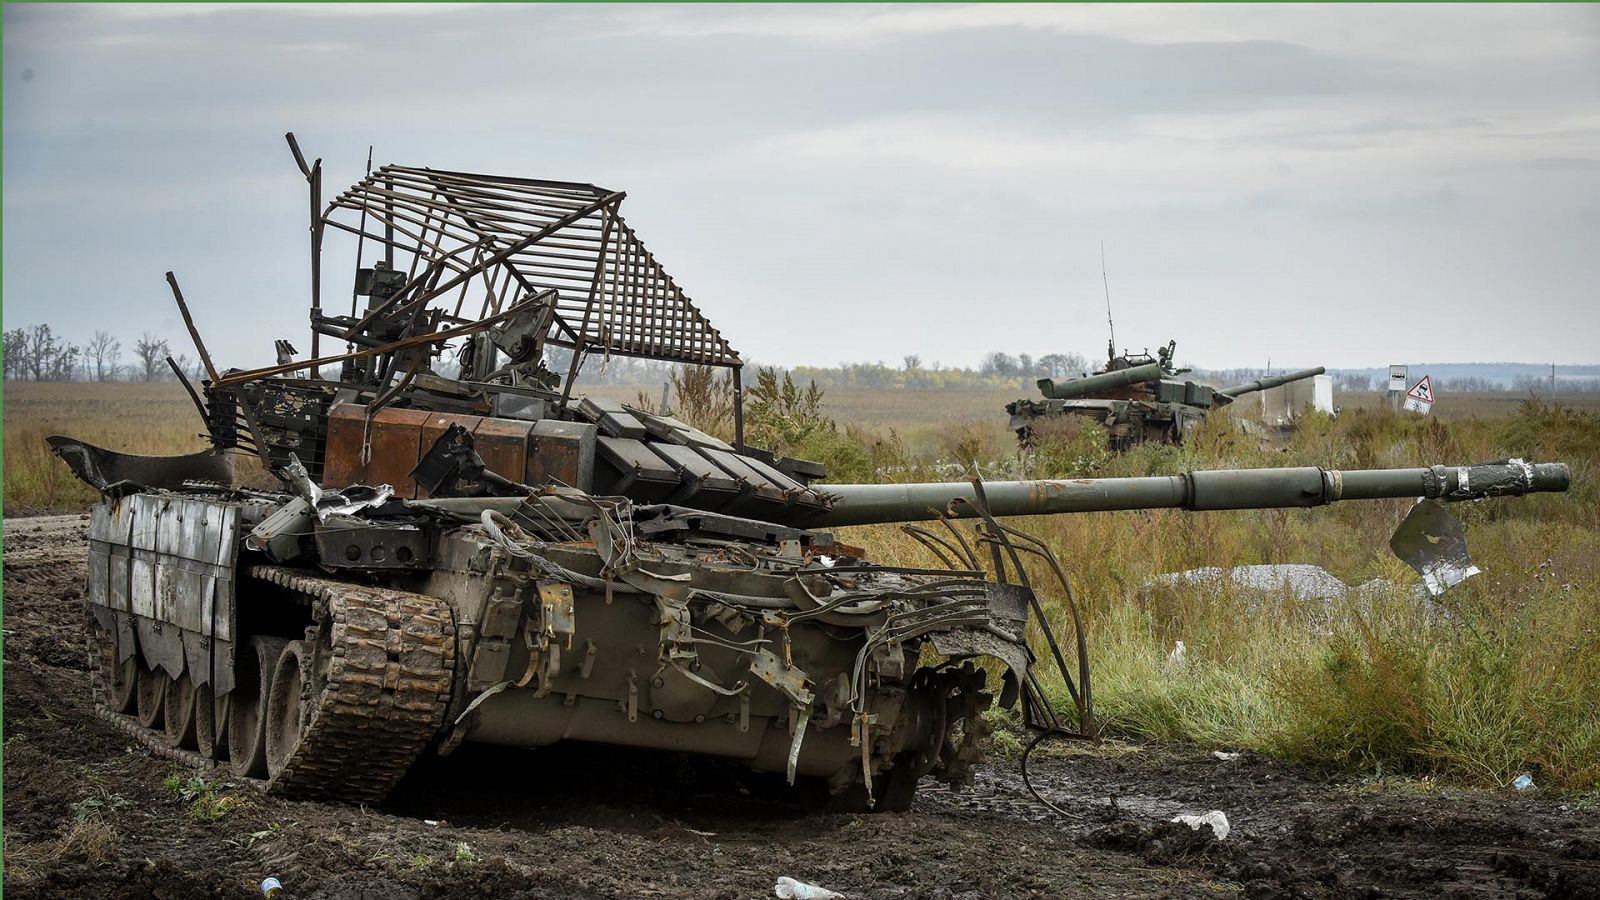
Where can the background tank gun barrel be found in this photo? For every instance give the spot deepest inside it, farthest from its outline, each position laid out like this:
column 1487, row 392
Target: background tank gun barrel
column 1218, row 489
column 1093, row 384
column 1271, row 381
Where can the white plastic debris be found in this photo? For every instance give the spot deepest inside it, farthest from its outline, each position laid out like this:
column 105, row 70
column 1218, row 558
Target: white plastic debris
column 1224, row 755
column 1216, row 819
column 1524, row 782
column 789, row 889
column 1175, row 658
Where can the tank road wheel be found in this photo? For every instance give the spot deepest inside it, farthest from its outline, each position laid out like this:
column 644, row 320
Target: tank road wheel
column 247, row 721
column 350, row 709
column 152, row 690
column 288, row 706
column 210, row 722
column 179, row 712
column 116, row 684
column 123, row 685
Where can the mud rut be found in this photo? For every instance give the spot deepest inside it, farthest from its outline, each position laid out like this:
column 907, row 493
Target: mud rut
column 588, row 822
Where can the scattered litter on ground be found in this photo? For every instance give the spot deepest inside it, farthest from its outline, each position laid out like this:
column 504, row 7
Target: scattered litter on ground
column 1225, row 756
column 789, row 889
column 1524, row 782
column 271, row 888
column 1215, row 818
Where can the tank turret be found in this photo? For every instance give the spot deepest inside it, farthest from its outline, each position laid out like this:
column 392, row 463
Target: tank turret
column 474, row 553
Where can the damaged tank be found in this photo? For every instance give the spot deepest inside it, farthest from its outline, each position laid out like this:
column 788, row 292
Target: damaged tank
column 475, row 554
column 1136, row 398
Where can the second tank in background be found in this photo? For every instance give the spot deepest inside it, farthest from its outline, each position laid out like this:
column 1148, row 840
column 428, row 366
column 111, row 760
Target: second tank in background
column 1136, row 398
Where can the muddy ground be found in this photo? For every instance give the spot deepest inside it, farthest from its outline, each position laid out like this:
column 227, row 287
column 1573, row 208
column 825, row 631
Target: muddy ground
column 88, row 814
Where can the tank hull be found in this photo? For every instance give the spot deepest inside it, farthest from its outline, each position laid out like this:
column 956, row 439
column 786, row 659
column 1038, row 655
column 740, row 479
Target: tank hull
column 756, row 653
column 1127, row 422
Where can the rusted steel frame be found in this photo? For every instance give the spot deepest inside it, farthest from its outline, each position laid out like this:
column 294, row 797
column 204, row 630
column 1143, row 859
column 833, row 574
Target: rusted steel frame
column 422, row 217
column 368, row 194
column 442, row 255
column 361, row 243
column 578, row 352
column 486, row 206
column 555, row 268
column 248, row 410
column 316, row 257
column 507, row 253
column 421, row 323
column 997, row 536
column 608, row 216
column 935, row 544
column 498, row 289
column 386, row 396
column 194, row 333
column 434, row 266
column 624, row 291
column 299, row 159
column 416, row 254
column 1086, row 707
column 184, row 380
column 419, row 216
column 967, row 555
column 738, row 408
column 538, row 251
column 585, row 244
column 403, row 343
column 496, row 190
column 388, row 234
column 540, row 186
column 477, row 257
column 511, row 268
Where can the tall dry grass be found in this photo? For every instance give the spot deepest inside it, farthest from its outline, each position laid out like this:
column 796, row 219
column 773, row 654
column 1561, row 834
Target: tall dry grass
column 1499, row 676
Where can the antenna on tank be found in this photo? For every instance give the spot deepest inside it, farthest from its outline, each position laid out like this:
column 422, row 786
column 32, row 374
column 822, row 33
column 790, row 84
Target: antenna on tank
column 1111, row 340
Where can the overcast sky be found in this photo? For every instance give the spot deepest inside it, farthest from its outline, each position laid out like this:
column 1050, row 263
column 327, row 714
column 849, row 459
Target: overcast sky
column 1348, row 185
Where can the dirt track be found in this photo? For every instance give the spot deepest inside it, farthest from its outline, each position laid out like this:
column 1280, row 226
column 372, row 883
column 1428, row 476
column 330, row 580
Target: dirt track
column 591, row 823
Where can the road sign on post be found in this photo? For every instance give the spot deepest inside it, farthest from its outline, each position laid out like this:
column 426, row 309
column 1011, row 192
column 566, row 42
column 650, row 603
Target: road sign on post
column 1397, row 385
column 1420, row 398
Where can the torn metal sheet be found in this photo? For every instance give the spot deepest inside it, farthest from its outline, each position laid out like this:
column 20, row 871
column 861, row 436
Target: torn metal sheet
column 118, row 474
column 1434, row 542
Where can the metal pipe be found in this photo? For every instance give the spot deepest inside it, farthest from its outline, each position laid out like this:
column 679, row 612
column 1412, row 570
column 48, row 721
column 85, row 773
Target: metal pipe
column 1271, row 381
column 1105, row 381
column 1222, row 489
column 188, row 322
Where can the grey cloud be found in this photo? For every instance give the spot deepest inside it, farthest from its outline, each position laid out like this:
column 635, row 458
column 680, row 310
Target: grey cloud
column 152, row 139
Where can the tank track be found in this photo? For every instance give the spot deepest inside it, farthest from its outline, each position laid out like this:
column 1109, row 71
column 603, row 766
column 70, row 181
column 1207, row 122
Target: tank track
column 387, row 689
column 388, row 685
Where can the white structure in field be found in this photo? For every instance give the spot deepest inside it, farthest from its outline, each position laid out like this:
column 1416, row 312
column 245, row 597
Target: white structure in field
column 1284, row 403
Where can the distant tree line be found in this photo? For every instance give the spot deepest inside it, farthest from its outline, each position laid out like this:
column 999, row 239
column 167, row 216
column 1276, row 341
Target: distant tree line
column 39, row 353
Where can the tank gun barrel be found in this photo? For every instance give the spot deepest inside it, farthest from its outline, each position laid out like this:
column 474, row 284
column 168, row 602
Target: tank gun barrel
column 1271, row 381
column 1217, row 489
column 1105, row 381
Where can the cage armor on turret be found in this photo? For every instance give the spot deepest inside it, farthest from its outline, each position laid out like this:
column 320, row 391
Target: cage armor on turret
column 1136, row 398
column 489, row 558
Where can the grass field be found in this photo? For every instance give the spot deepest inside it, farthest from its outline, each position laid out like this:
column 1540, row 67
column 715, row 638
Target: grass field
column 1499, row 677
